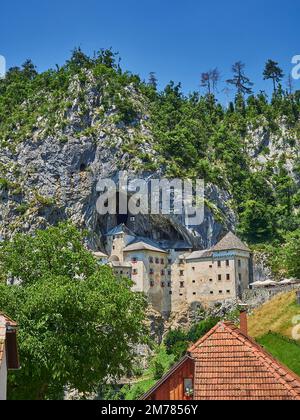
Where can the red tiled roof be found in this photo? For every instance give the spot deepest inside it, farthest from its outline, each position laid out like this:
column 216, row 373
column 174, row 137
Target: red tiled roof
column 229, row 365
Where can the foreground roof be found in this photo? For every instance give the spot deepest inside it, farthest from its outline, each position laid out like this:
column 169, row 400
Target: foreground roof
column 230, row 365
column 230, row 241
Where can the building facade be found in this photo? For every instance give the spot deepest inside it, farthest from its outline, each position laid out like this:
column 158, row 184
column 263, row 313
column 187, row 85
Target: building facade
column 8, row 351
column 173, row 275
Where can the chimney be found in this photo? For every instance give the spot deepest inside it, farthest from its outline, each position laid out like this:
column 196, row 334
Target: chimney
column 243, row 319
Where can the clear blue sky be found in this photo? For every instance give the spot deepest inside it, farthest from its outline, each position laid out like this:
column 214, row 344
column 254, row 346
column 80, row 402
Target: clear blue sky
column 176, row 39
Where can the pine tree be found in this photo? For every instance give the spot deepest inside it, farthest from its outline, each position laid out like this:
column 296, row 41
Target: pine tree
column 240, row 80
column 152, row 80
column 29, row 69
column 274, row 72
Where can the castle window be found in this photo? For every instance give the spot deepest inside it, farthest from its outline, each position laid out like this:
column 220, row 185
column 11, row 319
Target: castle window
column 151, row 271
column 227, row 276
column 211, row 280
column 211, row 292
column 220, row 292
column 219, row 264
column 181, row 273
column 157, row 260
column 169, row 284
column 170, row 292
column 121, row 272
column 135, row 272
column 134, row 260
column 193, row 268
column 162, row 284
column 169, row 261
column 194, row 293
column 151, row 283
column 210, row 266
column 162, row 272
column 182, row 284
column 227, row 263
column 114, row 247
column 180, row 294
column 114, row 237
column 239, row 263
column 240, row 277
column 220, row 277
column 169, row 273
column 162, row 261
column 194, row 281
column 228, row 292
column 151, row 260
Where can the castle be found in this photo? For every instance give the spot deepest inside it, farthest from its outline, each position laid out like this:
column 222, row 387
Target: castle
column 172, row 273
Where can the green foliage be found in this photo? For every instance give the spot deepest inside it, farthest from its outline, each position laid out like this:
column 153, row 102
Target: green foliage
column 56, row 251
column 69, row 311
column 177, row 341
column 274, row 72
column 285, row 350
column 290, row 253
column 198, row 330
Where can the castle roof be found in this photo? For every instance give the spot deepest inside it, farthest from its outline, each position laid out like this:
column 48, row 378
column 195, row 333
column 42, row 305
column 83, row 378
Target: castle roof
column 118, row 230
column 206, row 253
column 229, row 242
column 143, row 246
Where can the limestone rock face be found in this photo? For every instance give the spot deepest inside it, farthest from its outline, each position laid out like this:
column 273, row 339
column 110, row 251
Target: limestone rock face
column 46, row 177
column 49, row 178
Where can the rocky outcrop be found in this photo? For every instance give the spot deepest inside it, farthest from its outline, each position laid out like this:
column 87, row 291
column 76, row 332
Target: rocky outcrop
column 48, row 178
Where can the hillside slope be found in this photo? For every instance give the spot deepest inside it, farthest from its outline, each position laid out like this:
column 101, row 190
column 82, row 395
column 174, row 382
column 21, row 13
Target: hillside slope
column 276, row 316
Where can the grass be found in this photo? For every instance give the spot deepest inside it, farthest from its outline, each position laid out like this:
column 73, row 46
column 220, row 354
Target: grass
column 159, row 365
column 283, row 349
column 275, row 316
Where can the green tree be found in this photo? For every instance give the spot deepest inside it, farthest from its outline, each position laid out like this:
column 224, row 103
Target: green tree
column 152, row 80
column 274, row 72
column 29, row 69
column 256, row 222
column 78, row 325
column 57, row 251
column 198, row 330
column 291, row 254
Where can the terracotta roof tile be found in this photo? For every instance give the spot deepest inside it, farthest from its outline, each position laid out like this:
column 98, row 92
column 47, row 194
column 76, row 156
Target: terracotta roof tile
column 230, row 365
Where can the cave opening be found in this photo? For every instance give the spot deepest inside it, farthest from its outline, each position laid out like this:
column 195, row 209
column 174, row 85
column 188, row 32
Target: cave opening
column 83, row 167
column 121, row 218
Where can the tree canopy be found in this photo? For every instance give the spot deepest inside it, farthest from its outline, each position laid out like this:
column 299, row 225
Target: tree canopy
column 78, row 324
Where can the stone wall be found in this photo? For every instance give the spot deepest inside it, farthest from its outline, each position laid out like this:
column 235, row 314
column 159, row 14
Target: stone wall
column 259, row 296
